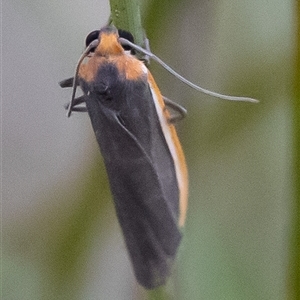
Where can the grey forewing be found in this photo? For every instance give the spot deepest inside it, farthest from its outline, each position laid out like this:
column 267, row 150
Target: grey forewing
column 140, row 170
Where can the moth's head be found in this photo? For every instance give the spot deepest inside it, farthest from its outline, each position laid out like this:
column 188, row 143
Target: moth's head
column 108, row 40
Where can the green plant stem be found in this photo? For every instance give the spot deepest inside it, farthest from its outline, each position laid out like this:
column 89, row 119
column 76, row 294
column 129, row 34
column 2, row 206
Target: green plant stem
column 294, row 264
column 125, row 14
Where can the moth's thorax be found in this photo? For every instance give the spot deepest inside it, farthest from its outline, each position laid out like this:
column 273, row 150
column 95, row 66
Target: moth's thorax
column 128, row 67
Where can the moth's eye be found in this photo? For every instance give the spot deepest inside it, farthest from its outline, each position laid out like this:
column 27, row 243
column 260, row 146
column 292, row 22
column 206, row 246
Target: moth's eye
column 94, row 35
column 128, row 36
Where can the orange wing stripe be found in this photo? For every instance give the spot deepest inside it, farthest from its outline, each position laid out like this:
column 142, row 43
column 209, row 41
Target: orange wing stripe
column 175, row 149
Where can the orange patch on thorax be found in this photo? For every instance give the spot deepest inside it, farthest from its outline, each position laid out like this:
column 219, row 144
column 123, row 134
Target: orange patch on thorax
column 129, row 67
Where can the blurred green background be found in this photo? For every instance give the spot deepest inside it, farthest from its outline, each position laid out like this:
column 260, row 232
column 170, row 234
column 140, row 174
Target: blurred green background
column 61, row 239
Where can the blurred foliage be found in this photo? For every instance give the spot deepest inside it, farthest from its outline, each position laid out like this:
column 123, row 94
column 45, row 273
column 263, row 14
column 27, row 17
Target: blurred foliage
column 236, row 241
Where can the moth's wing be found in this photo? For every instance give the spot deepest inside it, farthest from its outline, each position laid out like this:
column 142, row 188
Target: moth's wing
column 140, row 170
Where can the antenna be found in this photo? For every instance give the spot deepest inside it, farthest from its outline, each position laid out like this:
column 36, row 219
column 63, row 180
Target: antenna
column 93, row 44
column 184, row 80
